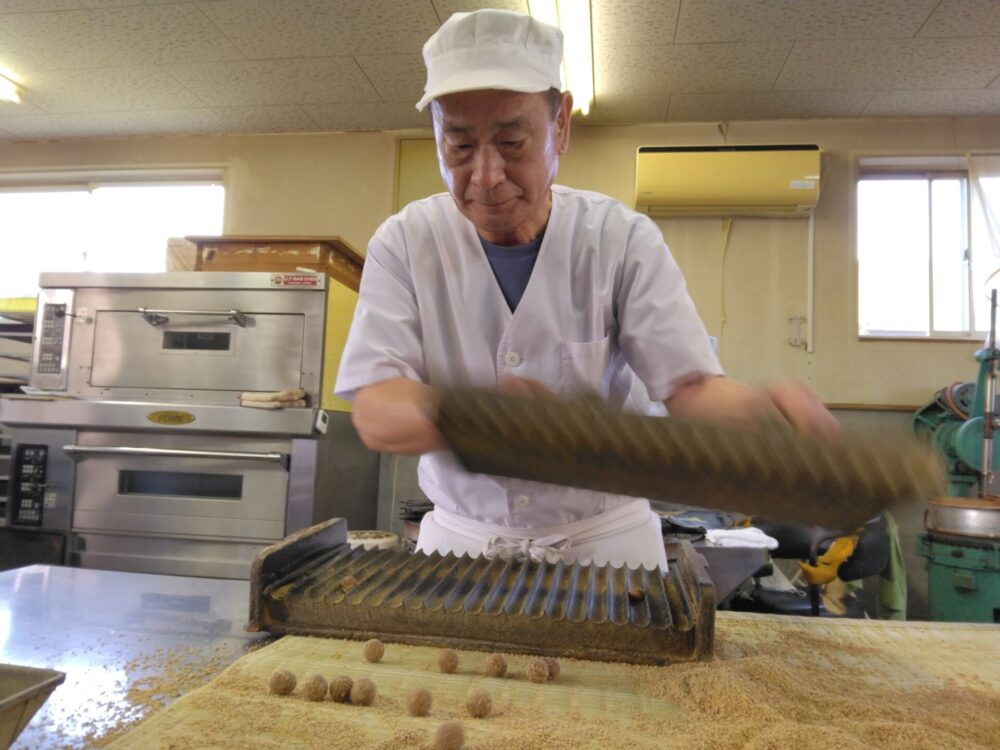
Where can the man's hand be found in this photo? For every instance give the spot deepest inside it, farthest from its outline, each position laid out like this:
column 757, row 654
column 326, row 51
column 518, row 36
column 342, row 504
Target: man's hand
column 397, row 416
column 525, row 387
column 719, row 399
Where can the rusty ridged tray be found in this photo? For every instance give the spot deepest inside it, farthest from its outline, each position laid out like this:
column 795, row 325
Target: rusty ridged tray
column 581, row 611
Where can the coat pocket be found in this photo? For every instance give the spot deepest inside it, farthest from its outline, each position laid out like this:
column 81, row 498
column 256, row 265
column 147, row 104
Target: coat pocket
column 584, row 365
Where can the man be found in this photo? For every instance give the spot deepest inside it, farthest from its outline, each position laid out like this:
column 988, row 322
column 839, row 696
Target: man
column 509, row 281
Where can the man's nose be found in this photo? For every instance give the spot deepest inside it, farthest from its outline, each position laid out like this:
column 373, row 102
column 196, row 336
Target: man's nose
column 488, row 169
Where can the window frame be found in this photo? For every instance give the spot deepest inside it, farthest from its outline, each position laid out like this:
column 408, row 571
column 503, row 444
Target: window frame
column 926, row 168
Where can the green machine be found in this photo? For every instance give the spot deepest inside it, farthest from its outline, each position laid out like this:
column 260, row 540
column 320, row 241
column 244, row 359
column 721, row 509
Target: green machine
column 962, row 539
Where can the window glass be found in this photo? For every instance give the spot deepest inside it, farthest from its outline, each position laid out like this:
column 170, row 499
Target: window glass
column 104, row 229
column 893, row 257
column 950, row 263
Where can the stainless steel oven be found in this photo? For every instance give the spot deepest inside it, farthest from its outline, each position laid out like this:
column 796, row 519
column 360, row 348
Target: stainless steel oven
column 139, row 380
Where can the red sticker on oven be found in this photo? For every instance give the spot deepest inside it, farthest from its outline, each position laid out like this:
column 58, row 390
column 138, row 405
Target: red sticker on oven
column 295, row 279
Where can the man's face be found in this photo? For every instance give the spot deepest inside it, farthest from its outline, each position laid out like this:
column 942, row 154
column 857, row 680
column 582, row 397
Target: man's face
column 499, row 152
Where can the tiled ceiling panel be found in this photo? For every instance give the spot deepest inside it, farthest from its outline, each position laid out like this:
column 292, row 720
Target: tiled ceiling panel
column 108, row 90
column 445, row 8
column 924, row 103
column 769, row 20
column 298, row 81
column 396, row 78
column 649, row 70
column 633, row 22
column 892, row 64
column 84, row 124
column 136, row 35
column 964, row 18
column 276, row 119
column 367, row 116
column 625, row 110
column 766, row 105
column 119, row 67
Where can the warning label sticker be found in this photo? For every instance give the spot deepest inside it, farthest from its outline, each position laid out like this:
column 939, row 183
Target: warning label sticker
column 295, row 279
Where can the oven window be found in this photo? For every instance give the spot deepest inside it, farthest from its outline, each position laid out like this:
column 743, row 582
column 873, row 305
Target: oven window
column 196, row 341
column 181, row 484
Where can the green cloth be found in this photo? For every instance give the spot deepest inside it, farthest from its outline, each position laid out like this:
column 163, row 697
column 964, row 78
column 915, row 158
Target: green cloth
column 892, row 579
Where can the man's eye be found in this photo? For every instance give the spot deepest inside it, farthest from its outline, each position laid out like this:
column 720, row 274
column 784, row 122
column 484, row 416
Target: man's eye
column 512, row 144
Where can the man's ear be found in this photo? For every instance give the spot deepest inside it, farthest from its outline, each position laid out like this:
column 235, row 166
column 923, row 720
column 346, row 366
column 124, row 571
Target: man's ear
column 563, row 123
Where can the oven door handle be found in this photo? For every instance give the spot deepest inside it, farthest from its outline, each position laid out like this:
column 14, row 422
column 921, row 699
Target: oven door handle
column 157, row 317
column 124, row 450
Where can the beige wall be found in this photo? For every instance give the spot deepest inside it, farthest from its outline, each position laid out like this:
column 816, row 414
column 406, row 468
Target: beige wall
column 344, row 184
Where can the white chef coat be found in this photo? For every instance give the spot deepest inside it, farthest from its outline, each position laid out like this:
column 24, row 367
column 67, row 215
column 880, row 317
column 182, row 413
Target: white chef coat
column 605, row 299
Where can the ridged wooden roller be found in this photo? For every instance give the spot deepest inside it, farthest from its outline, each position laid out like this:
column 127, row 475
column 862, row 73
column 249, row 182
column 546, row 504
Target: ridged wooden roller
column 769, row 471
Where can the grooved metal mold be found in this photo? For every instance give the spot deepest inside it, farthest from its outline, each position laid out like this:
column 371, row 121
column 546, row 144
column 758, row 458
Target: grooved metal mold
column 771, row 471
column 582, row 611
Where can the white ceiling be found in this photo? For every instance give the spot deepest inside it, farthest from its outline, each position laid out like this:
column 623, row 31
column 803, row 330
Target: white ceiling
column 127, row 67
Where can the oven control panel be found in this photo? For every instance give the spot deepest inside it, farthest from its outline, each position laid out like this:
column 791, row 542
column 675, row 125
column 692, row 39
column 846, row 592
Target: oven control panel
column 53, row 330
column 28, row 490
column 51, row 343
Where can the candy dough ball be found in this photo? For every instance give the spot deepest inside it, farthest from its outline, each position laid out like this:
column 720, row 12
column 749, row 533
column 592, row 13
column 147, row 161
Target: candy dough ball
column 496, row 665
column 448, row 661
column 314, row 687
column 281, row 682
column 418, row 702
column 340, row 688
column 374, row 650
column 553, row 668
column 348, row 583
column 538, row 670
column 363, row 692
column 479, row 703
column 449, row 736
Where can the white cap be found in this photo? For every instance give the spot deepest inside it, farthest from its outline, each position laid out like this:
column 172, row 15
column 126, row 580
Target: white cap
column 492, row 49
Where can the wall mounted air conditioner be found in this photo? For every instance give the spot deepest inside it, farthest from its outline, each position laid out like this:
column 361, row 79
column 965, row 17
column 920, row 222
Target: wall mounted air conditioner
column 778, row 181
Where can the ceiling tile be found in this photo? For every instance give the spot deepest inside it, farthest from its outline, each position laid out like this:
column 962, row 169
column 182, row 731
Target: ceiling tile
column 891, row 64
column 379, row 116
column 632, row 22
column 766, row 105
column 120, row 3
column 17, row 57
column 19, row 109
column 964, row 18
column 80, row 125
column 323, row 28
column 278, row 119
column 282, row 28
column 122, row 36
column 106, row 89
column 624, row 110
column 25, row 6
column 391, row 26
column 445, row 8
column 397, row 78
column 767, row 20
column 646, row 71
column 248, row 82
column 929, row 103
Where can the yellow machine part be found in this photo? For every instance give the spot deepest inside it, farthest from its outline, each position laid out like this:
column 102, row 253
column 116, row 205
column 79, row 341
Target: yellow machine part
column 340, row 304
column 829, row 563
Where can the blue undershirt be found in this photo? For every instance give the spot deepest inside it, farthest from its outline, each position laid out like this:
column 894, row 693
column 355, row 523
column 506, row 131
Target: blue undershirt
column 512, row 267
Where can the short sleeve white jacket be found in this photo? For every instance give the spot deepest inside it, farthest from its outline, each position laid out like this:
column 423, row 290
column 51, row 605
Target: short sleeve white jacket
column 605, row 299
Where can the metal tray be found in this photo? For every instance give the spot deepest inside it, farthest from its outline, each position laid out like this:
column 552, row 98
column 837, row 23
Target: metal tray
column 314, row 584
column 23, row 690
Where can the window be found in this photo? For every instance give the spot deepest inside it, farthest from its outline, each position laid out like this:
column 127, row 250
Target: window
column 925, row 257
column 99, row 226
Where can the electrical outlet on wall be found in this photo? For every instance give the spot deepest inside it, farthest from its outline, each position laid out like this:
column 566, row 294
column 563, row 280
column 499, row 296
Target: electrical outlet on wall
column 796, row 324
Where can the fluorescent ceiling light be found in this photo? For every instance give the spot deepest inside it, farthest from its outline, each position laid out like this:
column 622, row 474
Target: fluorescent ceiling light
column 573, row 17
column 9, row 91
